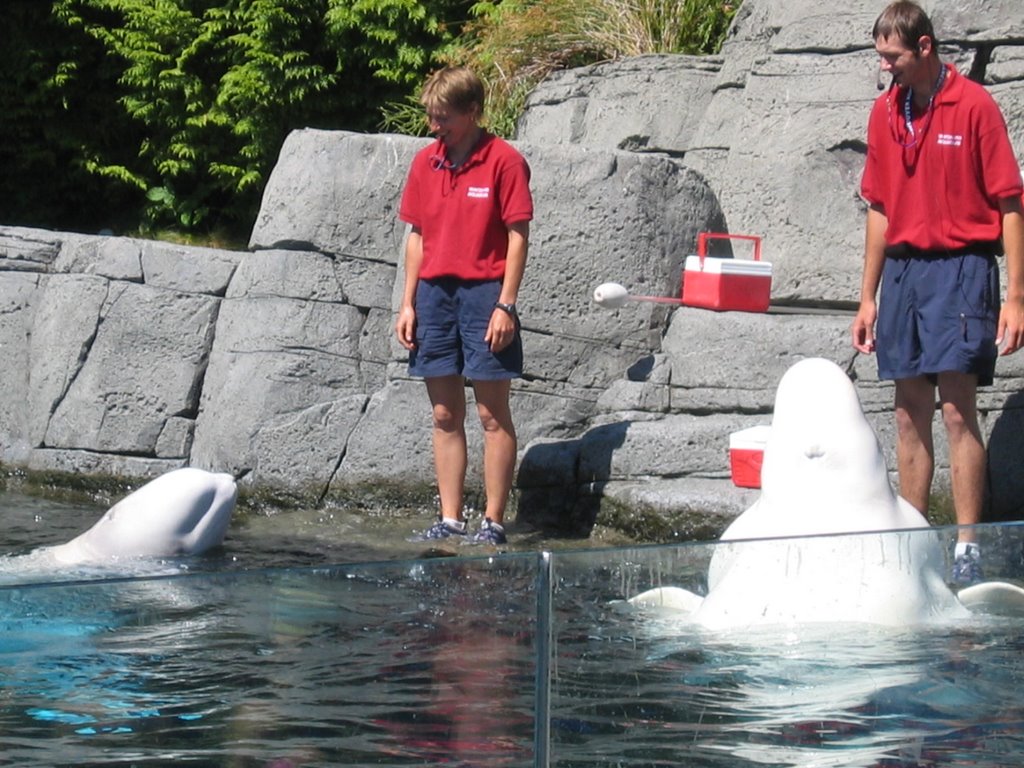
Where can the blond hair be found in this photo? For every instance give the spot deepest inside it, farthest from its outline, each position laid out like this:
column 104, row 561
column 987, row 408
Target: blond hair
column 455, row 88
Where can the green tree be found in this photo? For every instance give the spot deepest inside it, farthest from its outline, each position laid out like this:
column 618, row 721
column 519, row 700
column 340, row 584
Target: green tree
column 45, row 124
column 213, row 87
column 171, row 113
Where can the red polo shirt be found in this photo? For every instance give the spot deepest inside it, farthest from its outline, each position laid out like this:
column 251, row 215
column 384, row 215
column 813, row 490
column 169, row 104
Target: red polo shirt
column 943, row 192
column 464, row 213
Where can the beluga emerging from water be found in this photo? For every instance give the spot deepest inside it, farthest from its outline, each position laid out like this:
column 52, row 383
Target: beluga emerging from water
column 824, row 476
column 180, row 513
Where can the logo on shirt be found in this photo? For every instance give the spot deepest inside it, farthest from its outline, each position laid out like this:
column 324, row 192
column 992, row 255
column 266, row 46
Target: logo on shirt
column 950, row 139
column 479, row 193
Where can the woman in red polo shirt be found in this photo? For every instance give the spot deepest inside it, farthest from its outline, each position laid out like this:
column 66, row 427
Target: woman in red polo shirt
column 468, row 202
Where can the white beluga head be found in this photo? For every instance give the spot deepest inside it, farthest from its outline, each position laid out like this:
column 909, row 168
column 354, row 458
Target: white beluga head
column 183, row 512
column 829, row 540
column 823, row 469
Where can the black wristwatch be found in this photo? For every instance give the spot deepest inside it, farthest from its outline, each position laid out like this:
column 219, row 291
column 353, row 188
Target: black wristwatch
column 510, row 308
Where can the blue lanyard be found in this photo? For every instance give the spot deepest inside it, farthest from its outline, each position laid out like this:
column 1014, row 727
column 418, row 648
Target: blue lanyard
column 908, row 117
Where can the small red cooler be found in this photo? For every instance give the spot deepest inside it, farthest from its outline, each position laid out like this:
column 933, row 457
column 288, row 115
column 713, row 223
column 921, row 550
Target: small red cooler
column 727, row 284
column 746, row 452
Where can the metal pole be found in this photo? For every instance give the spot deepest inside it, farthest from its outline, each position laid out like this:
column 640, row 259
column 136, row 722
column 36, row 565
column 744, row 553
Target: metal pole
column 542, row 697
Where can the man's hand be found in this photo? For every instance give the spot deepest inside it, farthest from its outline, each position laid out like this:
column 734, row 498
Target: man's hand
column 1010, row 332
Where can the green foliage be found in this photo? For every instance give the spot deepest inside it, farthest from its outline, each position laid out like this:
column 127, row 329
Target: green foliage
column 207, row 90
column 49, row 129
column 171, row 113
column 209, row 87
column 636, row 27
column 395, row 37
column 405, row 117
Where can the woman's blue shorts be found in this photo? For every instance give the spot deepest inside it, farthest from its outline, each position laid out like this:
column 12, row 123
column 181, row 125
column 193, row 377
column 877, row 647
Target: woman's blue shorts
column 938, row 314
column 452, row 316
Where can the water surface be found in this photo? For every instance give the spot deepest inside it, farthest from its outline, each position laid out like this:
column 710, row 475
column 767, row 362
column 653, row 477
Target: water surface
column 268, row 653
column 292, row 538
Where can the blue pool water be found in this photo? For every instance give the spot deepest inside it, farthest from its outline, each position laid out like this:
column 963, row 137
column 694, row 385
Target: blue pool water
column 511, row 660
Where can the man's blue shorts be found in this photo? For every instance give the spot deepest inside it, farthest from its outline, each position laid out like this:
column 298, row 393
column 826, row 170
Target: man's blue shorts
column 452, row 316
column 938, row 314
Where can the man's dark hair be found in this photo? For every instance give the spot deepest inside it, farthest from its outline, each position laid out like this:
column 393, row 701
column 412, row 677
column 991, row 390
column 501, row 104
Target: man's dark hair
column 907, row 21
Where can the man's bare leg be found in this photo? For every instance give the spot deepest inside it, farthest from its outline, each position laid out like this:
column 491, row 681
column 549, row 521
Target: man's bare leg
column 967, row 457
column 915, row 450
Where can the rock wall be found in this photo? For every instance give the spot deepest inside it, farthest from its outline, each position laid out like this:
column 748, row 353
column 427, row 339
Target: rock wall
column 279, row 364
column 776, row 124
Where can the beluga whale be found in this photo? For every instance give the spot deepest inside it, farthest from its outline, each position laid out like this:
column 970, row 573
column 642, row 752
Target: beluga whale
column 827, row 540
column 58, row 660
column 180, row 513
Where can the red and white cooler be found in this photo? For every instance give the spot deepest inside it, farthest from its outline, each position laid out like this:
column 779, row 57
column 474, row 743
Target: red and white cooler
column 746, row 452
column 727, row 284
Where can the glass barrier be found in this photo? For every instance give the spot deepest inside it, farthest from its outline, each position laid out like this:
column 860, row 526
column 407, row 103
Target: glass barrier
column 414, row 663
column 532, row 659
column 700, row 680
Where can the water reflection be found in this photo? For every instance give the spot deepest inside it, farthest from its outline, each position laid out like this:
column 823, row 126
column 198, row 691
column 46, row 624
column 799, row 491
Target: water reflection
column 395, row 664
column 474, row 660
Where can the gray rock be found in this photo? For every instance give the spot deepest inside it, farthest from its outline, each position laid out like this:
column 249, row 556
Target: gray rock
column 28, row 250
column 186, row 269
column 280, row 362
column 677, row 445
column 966, row 21
column 687, row 509
column 76, row 462
column 175, row 440
column 392, row 443
column 657, row 106
column 135, row 374
column 301, row 451
column 65, row 326
column 115, row 258
column 19, row 291
column 719, row 354
column 337, row 193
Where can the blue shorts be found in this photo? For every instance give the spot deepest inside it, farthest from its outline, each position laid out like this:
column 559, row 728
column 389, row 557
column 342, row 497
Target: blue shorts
column 938, row 314
column 452, row 316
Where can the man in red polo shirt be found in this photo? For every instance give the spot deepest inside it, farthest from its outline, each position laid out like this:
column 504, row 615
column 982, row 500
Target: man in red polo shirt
column 944, row 193
column 468, row 202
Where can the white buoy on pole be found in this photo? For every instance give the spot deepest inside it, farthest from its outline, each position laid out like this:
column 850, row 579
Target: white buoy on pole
column 614, row 296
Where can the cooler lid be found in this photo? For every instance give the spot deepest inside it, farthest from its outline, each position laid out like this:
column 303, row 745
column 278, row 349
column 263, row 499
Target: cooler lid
column 729, row 266
column 752, row 437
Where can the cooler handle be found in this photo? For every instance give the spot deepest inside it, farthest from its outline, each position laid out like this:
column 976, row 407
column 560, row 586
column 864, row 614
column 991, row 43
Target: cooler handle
column 703, row 237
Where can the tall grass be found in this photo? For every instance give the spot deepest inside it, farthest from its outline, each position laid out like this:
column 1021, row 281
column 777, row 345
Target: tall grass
column 637, row 27
column 514, row 44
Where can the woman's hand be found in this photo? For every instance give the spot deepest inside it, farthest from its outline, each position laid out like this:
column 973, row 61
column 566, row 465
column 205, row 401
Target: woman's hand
column 405, row 327
column 501, row 330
